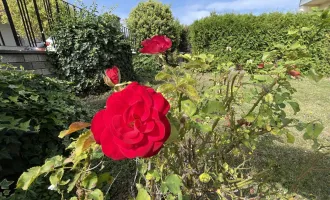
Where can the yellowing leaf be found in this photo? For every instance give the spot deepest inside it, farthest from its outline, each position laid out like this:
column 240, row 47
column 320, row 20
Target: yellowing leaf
column 76, row 126
column 27, row 178
column 143, row 195
column 84, row 142
column 96, row 195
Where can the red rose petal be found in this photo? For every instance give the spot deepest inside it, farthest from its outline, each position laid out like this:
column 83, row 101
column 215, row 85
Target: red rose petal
column 98, row 126
column 110, row 148
column 155, row 149
column 160, row 103
column 139, row 151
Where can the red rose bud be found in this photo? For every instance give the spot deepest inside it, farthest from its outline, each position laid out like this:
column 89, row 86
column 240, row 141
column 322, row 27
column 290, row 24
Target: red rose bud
column 155, row 45
column 294, row 73
column 261, row 66
column 133, row 124
column 112, row 76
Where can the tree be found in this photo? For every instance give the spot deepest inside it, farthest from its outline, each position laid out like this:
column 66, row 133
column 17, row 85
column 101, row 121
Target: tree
column 153, row 18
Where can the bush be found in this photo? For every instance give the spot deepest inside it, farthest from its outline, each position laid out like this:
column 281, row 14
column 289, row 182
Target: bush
column 146, row 67
column 34, row 109
column 153, row 18
column 86, row 46
column 239, row 38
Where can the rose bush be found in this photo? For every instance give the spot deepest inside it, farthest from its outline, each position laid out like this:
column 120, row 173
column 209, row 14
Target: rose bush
column 155, row 45
column 134, row 123
column 211, row 131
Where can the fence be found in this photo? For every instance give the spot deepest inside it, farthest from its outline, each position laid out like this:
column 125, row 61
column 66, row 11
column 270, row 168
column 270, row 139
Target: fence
column 31, row 20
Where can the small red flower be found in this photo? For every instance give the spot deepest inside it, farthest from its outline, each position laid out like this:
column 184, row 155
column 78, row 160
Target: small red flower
column 155, row 45
column 294, row 73
column 134, row 123
column 261, row 66
column 112, row 76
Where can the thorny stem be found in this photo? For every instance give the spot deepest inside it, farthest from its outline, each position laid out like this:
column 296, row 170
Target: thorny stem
column 263, row 93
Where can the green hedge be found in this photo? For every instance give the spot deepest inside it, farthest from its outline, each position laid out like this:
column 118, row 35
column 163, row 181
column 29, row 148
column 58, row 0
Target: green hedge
column 249, row 36
column 87, row 45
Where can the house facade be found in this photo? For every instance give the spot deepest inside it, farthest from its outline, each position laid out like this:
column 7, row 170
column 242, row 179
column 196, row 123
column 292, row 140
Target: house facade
column 307, row 5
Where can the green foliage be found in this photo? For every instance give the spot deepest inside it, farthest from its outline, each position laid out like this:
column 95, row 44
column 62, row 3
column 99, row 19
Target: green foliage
column 215, row 127
column 184, row 45
column 151, row 18
column 240, row 38
column 87, row 45
column 34, row 109
column 146, row 67
column 73, row 176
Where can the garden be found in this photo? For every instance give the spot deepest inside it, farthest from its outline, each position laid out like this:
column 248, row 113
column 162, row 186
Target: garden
column 234, row 106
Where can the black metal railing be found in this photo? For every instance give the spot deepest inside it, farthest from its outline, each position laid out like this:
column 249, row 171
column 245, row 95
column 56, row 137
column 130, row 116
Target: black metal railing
column 30, row 27
column 2, row 42
column 34, row 36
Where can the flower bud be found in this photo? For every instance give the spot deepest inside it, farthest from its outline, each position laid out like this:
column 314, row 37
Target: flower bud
column 204, row 178
column 112, row 76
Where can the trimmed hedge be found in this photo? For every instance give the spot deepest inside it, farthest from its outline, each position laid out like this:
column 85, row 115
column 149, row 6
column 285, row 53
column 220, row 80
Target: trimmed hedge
column 248, row 36
column 87, row 45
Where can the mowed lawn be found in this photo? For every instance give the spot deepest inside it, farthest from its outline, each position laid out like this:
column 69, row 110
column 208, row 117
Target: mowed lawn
column 295, row 167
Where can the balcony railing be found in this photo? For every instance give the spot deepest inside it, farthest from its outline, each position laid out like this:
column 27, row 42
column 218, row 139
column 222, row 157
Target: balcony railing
column 30, row 21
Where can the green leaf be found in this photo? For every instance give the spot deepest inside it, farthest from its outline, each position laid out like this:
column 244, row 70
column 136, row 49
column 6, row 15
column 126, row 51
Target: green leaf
column 27, row 178
column 292, row 32
column 314, row 76
column 214, row 107
column 269, row 98
column 73, row 182
column 143, row 195
column 104, row 178
column 313, row 130
column 265, row 56
column 4, row 184
column 190, row 91
column 173, row 183
column 188, row 107
column 166, row 88
column 162, row 76
column 96, row 195
column 294, row 106
column 163, row 188
column 174, row 134
column 290, row 138
column 56, row 177
column 250, row 118
column 13, row 98
column 25, row 126
column 90, row 181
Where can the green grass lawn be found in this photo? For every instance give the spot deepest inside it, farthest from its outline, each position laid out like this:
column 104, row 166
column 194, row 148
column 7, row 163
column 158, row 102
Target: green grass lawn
column 294, row 167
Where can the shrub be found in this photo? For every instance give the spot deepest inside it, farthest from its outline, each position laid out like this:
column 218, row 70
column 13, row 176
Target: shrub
column 146, row 67
column 153, row 18
column 239, row 38
column 86, row 46
column 34, row 109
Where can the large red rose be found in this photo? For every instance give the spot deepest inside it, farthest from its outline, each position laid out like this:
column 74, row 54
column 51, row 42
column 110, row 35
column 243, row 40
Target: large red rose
column 155, row 45
column 112, row 76
column 134, row 123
